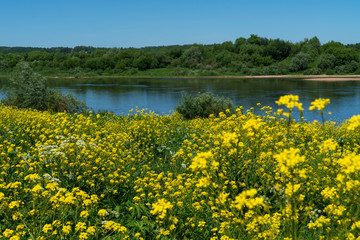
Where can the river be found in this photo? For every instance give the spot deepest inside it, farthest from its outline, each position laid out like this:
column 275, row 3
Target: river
column 119, row 95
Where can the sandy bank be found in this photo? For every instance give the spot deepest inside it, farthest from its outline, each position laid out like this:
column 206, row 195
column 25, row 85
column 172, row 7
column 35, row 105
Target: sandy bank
column 327, row 78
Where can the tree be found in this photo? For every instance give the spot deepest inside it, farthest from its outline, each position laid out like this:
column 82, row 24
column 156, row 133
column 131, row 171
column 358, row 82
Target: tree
column 104, row 63
column 347, row 68
column 112, row 52
column 342, row 54
column 71, row 62
column 255, row 39
column 239, row 42
column 250, row 49
column 13, row 59
column 192, row 56
column 161, row 59
column 326, row 61
column 175, row 52
column 27, row 89
column 278, row 49
column 143, row 62
column 223, row 59
column 40, row 56
column 228, row 45
column 309, row 49
column 3, row 63
column 300, row 62
column 315, row 43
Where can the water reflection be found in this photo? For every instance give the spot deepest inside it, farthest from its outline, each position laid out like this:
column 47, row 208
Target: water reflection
column 162, row 95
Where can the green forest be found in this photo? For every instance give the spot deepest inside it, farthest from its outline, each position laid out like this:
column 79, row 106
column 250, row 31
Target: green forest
column 245, row 56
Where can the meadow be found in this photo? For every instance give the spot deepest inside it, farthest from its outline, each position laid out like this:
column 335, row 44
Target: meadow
column 144, row 176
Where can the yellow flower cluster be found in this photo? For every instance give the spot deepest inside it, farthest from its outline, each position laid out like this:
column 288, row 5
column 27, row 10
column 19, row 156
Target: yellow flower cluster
column 200, row 161
column 288, row 159
column 290, row 101
column 160, row 208
column 353, row 123
column 246, row 199
column 144, row 176
column 319, row 104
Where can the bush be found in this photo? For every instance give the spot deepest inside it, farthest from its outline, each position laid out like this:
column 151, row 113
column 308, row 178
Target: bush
column 347, row 68
column 203, row 105
column 300, row 62
column 59, row 102
column 313, row 71
column 274, row 69
column 27, row 89
column 192, row 56
column 244, row 69
column 326, row 61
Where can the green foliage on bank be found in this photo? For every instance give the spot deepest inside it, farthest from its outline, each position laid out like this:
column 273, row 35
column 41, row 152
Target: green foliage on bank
column 252, row 56
column 203, row 105
column 28, row 89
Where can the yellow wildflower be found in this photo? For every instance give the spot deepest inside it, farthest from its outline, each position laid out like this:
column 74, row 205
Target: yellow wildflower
column 160, row 208
column 319, row 104
column 246, row 198
column 102, row 212
column 200, row 161
column 47, row 228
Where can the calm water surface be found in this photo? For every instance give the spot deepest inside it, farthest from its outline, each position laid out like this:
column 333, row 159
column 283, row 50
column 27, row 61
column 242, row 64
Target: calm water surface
column 162, row 95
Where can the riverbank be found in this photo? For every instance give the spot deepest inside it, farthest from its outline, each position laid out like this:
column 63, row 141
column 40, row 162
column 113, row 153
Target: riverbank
column 324, row 78
column 329, row 78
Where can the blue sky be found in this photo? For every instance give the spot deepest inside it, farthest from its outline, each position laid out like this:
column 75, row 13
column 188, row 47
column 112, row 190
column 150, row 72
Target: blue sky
column 139, row 23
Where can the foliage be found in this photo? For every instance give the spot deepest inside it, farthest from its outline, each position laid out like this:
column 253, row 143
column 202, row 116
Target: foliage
column 27, row 89
column 60, row 102
column 278, row 49
column 192, row 56
column 313, row 71
column 256, row 53
column 143, row 62
column 326, row 61
column 343, row 55
column 203, row 105
column 315, row 43
column 300, row 62
column 347, row 68
column 274, row 69
column 3, row 64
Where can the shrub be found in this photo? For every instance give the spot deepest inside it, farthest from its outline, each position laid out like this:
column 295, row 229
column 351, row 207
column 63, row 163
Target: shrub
column 300, row 62
column 326, row 61
column 313, row 71
column 27, row 89
column 244, row 69
column 192, row 56
column 347, row 68
column 59, row 102
column 274, row 69
column 203, row 105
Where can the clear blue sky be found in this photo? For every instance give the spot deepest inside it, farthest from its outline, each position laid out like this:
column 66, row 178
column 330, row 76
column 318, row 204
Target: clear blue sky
column 139, row 23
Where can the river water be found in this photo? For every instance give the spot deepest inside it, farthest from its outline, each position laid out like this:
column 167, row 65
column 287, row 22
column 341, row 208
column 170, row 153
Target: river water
column 119, row 95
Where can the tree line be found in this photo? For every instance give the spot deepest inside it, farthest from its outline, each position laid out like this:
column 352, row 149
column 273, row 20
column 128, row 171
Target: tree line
column 245, row 56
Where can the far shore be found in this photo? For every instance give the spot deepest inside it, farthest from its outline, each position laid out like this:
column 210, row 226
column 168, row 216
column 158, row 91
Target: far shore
column 323, row 78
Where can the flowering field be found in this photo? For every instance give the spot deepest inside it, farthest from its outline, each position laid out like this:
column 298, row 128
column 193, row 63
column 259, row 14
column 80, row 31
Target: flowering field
column 143, row 176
